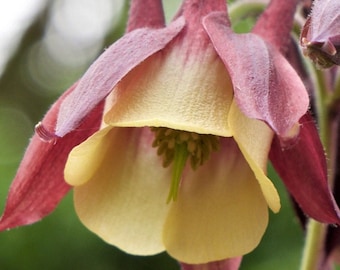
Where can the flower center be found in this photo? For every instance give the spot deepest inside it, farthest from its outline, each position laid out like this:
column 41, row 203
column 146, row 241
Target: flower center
column 178, row 146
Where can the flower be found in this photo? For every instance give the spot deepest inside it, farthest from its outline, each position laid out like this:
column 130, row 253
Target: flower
column 320, row 37
column 182, row 91
column 179, row 161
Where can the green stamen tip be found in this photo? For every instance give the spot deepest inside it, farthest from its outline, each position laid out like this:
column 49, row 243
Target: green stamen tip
column 180, row 158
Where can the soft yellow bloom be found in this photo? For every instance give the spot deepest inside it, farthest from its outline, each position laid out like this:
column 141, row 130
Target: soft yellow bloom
column 121, row 186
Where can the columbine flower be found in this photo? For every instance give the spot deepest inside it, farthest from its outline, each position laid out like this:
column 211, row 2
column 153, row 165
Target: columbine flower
column 320, row 37
column 179, row 161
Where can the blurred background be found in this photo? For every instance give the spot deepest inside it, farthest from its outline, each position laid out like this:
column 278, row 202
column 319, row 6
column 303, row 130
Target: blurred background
column 44, row 47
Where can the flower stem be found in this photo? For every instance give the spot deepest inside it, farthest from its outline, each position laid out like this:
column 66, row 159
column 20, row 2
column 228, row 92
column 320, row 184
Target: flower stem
column 240, row 10
column 316, row 232
column 313, row 247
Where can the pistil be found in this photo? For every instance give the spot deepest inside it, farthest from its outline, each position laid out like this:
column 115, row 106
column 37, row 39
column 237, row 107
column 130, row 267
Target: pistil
column 177, row 146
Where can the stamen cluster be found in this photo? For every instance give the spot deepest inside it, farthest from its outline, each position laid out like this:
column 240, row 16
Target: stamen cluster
column 198, row 146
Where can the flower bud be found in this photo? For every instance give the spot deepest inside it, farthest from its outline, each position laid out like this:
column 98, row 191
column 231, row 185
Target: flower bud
column 320, row 36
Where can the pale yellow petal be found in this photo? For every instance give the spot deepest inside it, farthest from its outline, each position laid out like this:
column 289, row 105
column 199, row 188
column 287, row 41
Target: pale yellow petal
column 220, row 212
column 254, row 138
column 85, row 159
column 189, row 92
column 124, row 202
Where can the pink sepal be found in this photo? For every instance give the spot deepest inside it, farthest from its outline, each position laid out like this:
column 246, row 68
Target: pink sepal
column 146, row 13
column 266, row 87
column 39, row 183
column 302, row 167
column 228, row 264
column 104, row 74
column 270, row 27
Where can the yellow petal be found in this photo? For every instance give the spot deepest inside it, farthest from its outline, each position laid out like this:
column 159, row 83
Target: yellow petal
column 220, row 211
column 254, row 139
column 124, row 202
column 178, row 90
column 85, row 159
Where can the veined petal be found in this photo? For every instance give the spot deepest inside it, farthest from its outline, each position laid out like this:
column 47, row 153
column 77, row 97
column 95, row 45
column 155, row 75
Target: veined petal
column 124, row 202
column 254, row 138
column 175, row 89
column 103, row 75
column 220, row 211
column 303, row 169
column 266, row 87
column 39, row 183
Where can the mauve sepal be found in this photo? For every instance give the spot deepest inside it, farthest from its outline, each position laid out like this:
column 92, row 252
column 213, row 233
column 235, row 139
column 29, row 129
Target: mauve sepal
column 39, row 183
column 303, row 169
column 227, row 264
column 270, row 27
column 266, row 87
column 146, row 13
column 109, row 69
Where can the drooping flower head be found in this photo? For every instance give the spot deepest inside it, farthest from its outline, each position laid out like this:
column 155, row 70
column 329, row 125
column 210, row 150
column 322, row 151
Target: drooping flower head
column 180, row 100
column 179, row 162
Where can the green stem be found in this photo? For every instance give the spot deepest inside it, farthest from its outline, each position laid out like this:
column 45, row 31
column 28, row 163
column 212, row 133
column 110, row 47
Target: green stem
column 240, row 10
column 322, row 108
column 337, row 88
column 316, row 232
